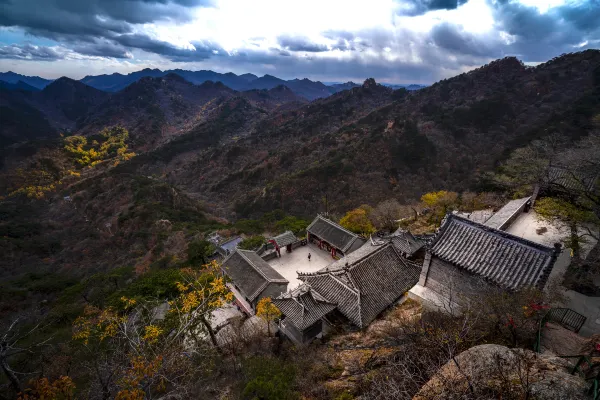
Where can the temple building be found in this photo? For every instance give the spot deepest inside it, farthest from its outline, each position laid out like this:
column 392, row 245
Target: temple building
column 284, row 240
column 358, row 287
column 408, row 245
column 467, row 259
column 251, row 279
column 305, row 313
column 333, row 237
column 505, row 216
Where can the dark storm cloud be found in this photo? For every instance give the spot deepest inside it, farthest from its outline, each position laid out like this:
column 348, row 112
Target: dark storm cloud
column 538, row 37
column 74, row 22
column 281, row 52
column 419, row 7
column 337, row 34
column 301, row 44
column 202, row 51
column 584, row 16
column 343, row 45
column 455, row 40
column 101, row 49
column 30, row 52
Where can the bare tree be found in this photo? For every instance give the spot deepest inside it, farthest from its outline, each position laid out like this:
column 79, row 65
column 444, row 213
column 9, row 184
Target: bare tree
column 388, row 212
column 15, row 341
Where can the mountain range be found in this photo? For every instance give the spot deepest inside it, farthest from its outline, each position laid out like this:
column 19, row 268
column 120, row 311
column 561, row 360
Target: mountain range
column 115, row 82
column 35, row 81
column 207, row 149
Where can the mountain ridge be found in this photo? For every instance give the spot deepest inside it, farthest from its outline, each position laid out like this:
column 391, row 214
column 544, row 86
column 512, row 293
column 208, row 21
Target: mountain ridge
column 35, row 81
column 243, row 154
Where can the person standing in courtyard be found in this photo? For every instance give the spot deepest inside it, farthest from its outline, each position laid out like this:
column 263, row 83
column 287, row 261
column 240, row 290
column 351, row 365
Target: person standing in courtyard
column 308, row 256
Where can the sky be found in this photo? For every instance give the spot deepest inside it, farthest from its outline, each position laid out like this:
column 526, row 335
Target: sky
column 393, row 41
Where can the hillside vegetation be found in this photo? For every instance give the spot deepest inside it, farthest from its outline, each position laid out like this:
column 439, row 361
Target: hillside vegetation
column 108, row 200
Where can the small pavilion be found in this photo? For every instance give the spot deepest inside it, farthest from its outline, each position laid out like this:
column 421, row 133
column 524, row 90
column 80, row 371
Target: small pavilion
column 333, row 237
column 286, row 239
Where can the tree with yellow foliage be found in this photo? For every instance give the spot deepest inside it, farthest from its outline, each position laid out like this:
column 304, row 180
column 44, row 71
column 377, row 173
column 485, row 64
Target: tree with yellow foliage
column 267, row 311
column 61, row 388
column 200, row 293
column 110, row 144
column 358, row 221
column 152, row 352
column 440, row 203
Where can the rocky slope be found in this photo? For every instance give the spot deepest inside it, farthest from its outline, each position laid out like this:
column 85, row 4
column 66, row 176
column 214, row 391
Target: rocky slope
column 487, row 370
column 372, row 143
column 58, row 107
column 244, row 153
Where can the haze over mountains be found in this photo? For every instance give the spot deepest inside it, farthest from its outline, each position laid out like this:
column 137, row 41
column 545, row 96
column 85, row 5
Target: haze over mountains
column 306, row 88
column 365, row 143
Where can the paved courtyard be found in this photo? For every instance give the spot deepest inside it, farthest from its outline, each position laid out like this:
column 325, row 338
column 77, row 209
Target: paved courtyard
column 297, row 261
column 527, row 225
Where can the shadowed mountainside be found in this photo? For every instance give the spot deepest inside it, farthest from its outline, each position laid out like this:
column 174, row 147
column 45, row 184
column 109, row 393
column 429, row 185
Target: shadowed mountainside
column 371, row 143
column 245, row 153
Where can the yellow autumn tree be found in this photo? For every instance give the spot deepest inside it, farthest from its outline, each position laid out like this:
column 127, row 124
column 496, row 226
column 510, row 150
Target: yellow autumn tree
column 152, row 353
column 267, row 311
column 440, row 203
column 111, row 143
column 358, row 221
column 61, row 388
column 200, row 293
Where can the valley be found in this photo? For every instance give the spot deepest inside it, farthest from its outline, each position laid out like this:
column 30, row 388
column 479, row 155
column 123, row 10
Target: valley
column 112, row 187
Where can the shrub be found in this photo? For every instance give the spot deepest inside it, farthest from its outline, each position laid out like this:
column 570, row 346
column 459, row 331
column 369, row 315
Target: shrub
column 199, row 251
column 269, row 379
column 294, row 224
column 252, row 242
column 249, row 226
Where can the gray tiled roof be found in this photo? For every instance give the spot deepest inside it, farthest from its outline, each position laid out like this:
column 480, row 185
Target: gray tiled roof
column 367, row 286
column 500, row 219
column 303, row 306
column 351, row 258
column 406, row 243
column 562, row 177
column 250, row 273
column 509, row 261
column 285, row 238
column 334, row 234
column 228, row 246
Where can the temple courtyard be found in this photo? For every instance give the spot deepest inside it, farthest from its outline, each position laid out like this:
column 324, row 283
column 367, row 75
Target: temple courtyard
column 289, row 264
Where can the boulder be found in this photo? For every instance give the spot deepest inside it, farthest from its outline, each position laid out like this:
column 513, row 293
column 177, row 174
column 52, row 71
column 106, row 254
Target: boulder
column 492, row 371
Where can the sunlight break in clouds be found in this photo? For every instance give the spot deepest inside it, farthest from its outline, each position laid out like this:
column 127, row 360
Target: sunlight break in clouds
column 398, row 41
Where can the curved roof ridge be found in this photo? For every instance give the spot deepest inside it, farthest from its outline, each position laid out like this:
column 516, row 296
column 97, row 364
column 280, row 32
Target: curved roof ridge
column 495, row 231
column 319, row 216
column 257, row 269
column 259, row 290
column 368, row 255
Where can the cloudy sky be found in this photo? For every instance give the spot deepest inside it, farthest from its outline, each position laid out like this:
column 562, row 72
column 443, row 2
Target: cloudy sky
column 395, row 41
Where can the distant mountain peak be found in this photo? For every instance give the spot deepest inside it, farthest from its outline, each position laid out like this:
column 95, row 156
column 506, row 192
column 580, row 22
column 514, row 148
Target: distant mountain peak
column 64, row 84
column 172, row 76
column 369, row 83
column 281, row 88
column 212, row 84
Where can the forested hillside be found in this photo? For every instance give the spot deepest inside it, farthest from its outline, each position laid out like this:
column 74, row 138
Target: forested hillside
column 107, row 201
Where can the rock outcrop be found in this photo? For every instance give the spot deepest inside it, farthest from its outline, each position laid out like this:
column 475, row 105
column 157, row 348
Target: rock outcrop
column 489, row 371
